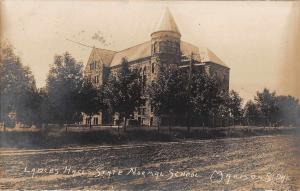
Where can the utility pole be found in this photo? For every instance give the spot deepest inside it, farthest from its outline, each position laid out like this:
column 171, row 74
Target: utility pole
column 189, row 94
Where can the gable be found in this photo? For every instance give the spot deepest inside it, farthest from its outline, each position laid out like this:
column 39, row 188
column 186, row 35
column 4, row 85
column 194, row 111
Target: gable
column 101, row 55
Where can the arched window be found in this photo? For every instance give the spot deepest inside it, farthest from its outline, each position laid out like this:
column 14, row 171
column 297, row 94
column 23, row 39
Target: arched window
column 156, row 47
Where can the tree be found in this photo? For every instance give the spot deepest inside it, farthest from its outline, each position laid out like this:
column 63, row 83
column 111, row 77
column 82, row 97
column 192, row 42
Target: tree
column 91, row 100
column 207, row 97
column 235, row 106
column 110, row 95
column 167, row 94
column 18, row 91
column 288, row 109
column 267, row 104
column 45, row 108
column 64, row 82
column 123, row 92
column 251, row 113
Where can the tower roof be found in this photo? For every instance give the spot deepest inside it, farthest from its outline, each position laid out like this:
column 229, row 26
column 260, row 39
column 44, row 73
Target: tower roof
column 167, row 23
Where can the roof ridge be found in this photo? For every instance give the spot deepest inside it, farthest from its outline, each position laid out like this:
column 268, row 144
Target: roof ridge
column 105, row 49
column 133, row 46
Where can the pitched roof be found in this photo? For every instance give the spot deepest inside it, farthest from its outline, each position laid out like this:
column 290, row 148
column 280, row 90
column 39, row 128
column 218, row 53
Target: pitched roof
column 202, row 54
column 144, row 50
column 167, row 23
column 133, row 53
column 104, row 56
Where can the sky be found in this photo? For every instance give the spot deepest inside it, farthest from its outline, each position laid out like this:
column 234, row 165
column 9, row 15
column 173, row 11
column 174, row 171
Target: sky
column 257, row 40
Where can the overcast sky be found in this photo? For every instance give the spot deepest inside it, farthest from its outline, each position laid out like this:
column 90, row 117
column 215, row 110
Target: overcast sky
column 257, row 40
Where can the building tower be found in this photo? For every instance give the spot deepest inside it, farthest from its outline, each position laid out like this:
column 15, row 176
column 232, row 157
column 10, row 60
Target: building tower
column 165, row 49
column 165, row 41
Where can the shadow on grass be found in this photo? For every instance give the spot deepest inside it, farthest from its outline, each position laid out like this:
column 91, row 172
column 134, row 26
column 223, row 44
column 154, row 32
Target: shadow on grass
column 41, row 139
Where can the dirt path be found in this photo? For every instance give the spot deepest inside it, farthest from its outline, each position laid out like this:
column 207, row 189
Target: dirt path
column 235, row 164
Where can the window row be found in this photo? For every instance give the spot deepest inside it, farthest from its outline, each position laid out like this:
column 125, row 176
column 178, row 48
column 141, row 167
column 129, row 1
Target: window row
column 166, row 46
column 144, row 71
column 95, row 121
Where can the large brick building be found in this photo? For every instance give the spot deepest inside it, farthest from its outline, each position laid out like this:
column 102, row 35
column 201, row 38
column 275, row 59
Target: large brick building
column 163, row 47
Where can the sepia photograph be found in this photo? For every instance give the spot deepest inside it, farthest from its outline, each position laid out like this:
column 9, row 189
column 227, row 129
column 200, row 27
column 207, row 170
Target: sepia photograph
column 149, row 95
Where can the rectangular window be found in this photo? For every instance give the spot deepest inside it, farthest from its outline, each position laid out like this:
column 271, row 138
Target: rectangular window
column 96, row 79
column 93, row 65
column 144, row 111
column 152, row 67
column 145, row 80
column 96, row 121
